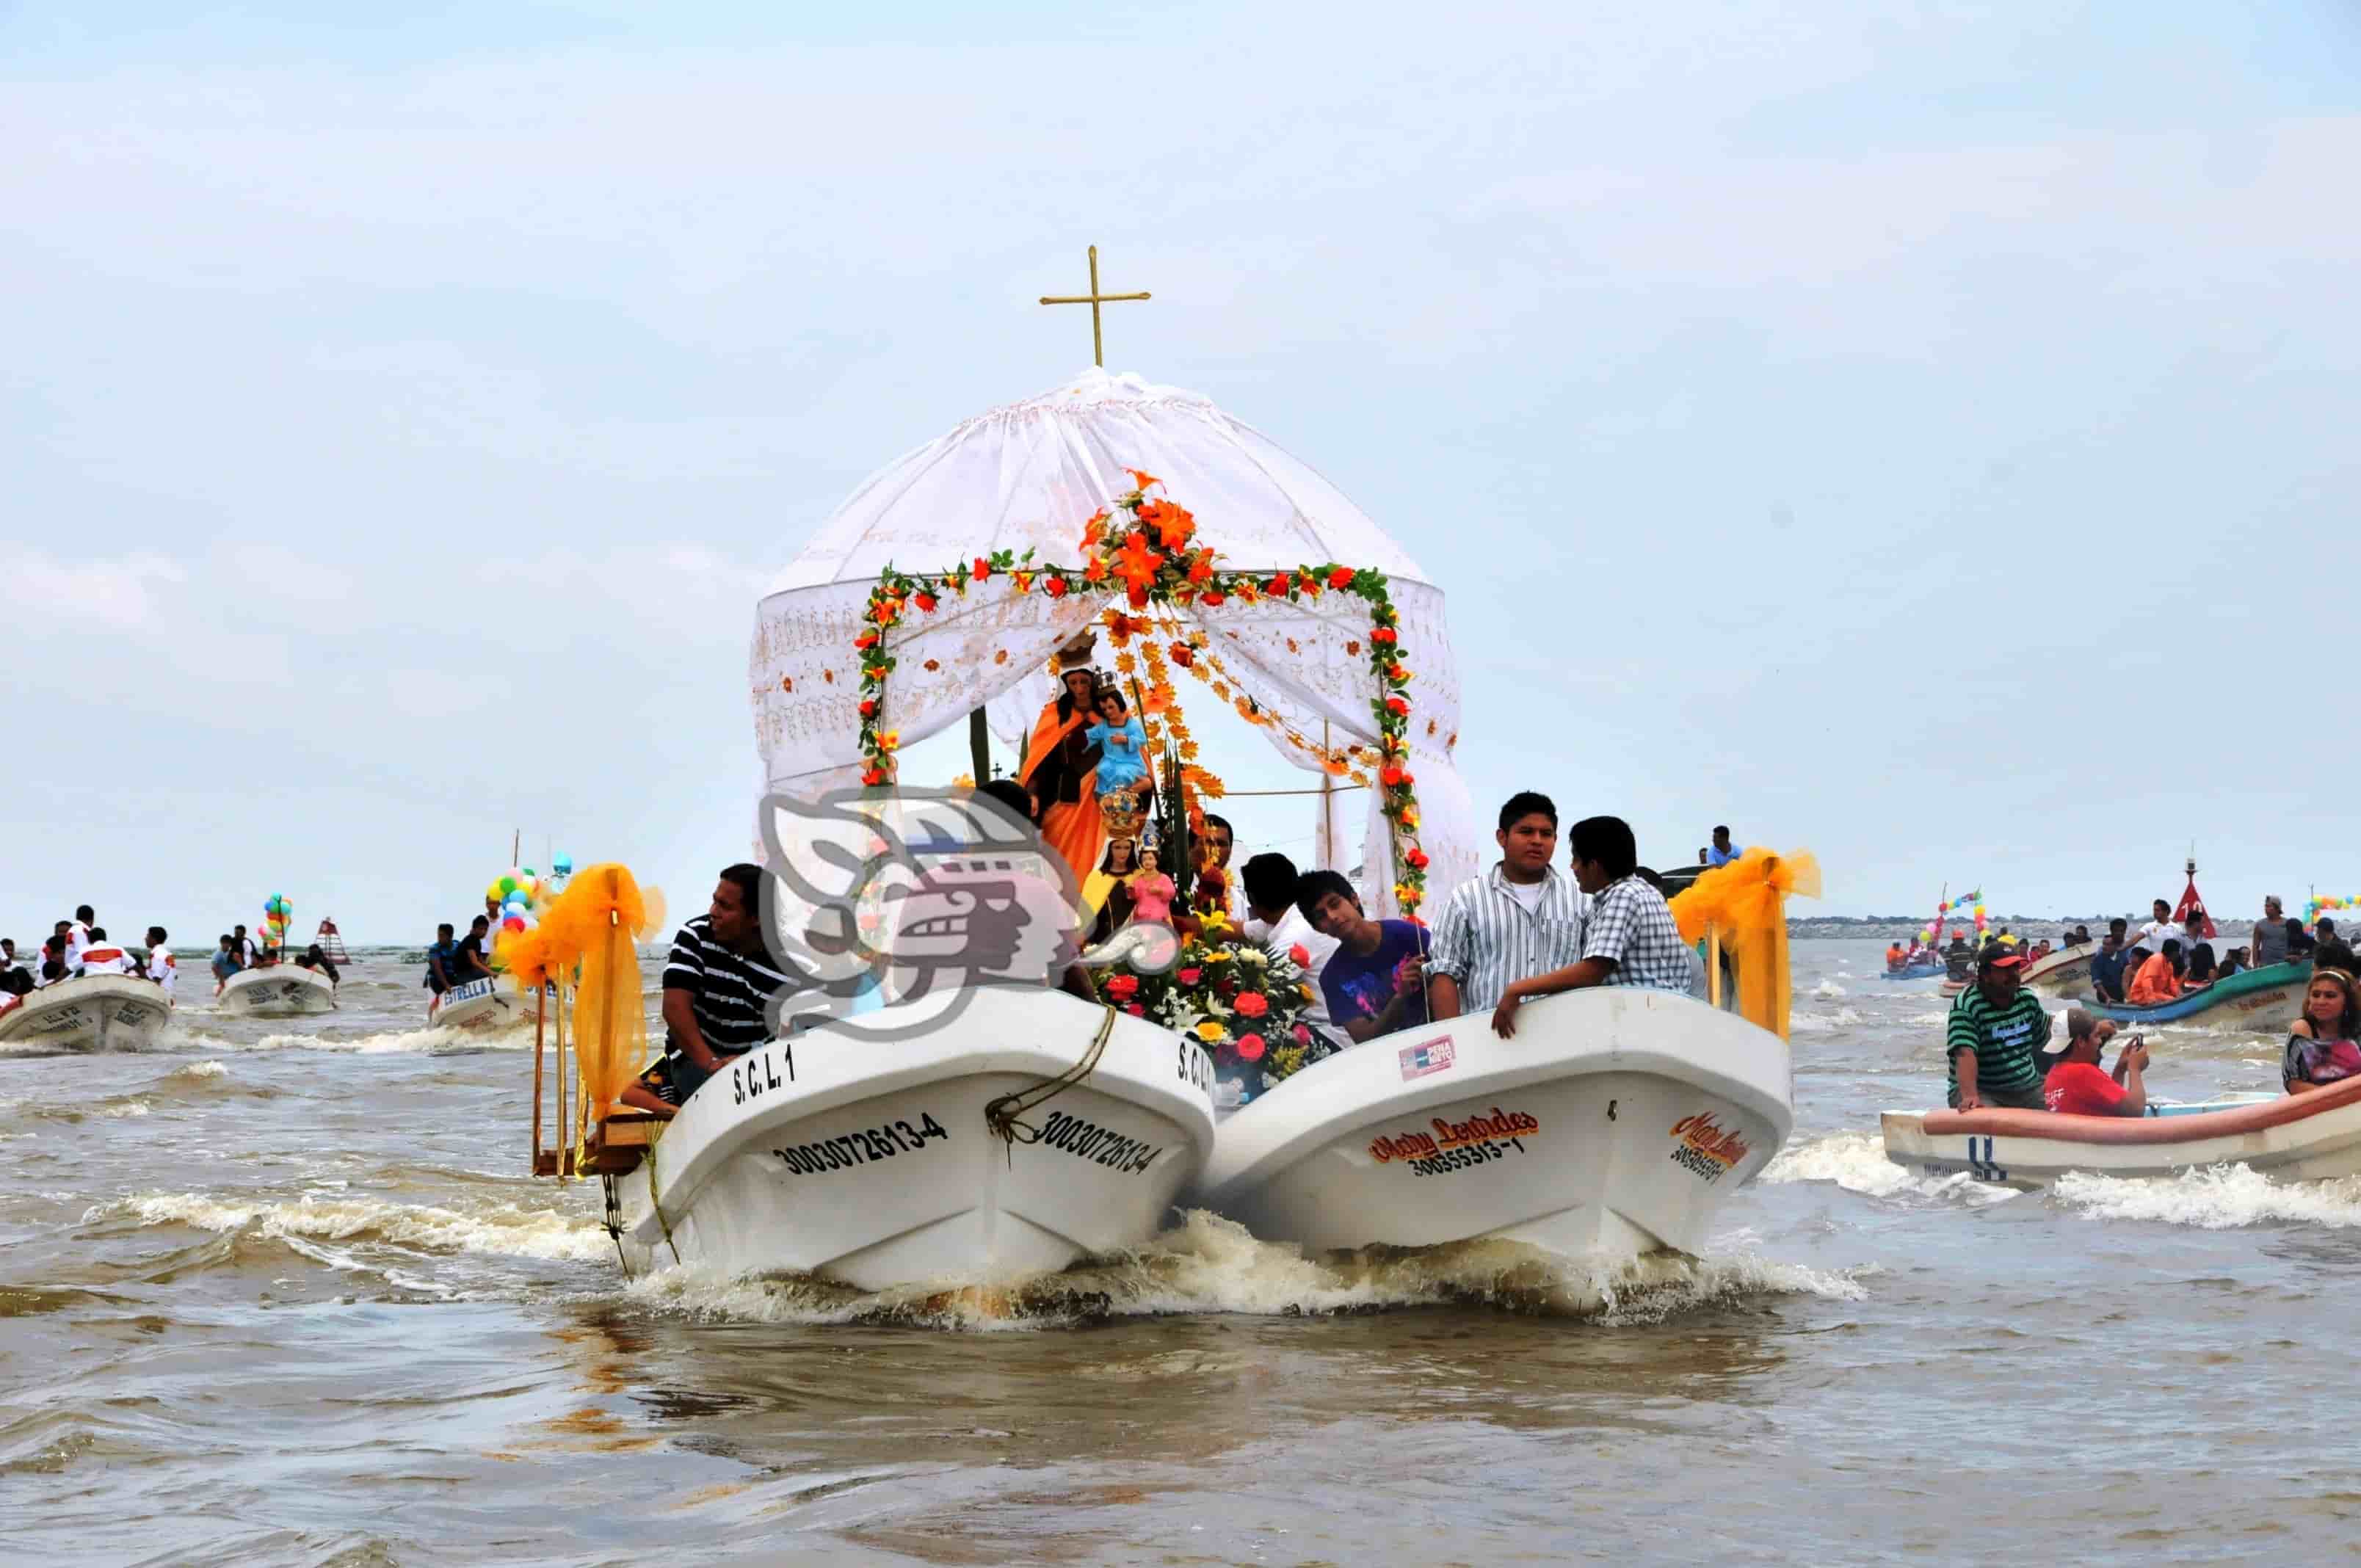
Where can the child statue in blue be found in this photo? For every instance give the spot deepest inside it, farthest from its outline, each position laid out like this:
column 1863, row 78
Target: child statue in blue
column 1122, row 746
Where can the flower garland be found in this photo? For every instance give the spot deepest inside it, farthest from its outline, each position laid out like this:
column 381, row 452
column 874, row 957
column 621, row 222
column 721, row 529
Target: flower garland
column 1145, row 544
column 1244, row 1006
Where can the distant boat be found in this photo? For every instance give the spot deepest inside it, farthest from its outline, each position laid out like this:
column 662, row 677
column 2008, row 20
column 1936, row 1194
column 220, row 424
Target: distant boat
column 2254, row 1002
column 277, row 991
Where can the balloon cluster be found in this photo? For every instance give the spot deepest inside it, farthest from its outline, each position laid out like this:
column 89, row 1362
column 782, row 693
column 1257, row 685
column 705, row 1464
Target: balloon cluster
column 518, row 892
column 276, row 914
column 2317, row 905
column 1945, row 910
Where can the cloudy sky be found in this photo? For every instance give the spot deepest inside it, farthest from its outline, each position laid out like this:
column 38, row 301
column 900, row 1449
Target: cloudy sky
column 1916, row 433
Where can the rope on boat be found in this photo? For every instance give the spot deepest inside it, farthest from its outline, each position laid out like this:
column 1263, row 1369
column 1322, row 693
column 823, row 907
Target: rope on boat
column 1000, row 1115
column 662, row 1223
column 615, row 1221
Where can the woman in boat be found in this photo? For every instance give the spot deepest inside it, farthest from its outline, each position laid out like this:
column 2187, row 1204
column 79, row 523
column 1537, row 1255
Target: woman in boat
column 2321, row 1047
column 1061, row 773
column 2200, row 967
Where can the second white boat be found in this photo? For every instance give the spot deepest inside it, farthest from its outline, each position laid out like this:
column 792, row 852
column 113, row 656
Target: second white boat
column 1617, row 1122
column 91, row 1012
column 282, row 991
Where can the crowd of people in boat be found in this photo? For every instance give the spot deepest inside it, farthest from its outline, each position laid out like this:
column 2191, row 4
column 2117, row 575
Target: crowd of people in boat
column 2003, row 1049
column 1522, row 930
column 81, row 947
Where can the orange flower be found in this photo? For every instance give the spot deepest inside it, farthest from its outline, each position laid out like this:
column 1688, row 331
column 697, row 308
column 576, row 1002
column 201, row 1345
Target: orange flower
column 924, row 602
column 1173, row 524
column 1097, row 570
column 1136, row 564
column 1142, row 480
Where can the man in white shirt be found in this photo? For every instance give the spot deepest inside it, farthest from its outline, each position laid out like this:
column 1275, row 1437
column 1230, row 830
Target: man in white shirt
column 77, row 935
column 2157, row 932
column 162, row 967
column 100, row 956
column 1268, row 882
column 242, row 945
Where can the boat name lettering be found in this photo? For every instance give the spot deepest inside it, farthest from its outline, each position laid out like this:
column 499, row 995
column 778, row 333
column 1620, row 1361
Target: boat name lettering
column 1503, row 1126
column 756, row 1075
column 1196, row 1066
column 1088, row 1140
column 863, row 1146
column 1705, row 1149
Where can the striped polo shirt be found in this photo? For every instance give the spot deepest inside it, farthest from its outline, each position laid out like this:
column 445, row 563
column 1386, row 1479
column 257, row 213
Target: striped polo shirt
column 1487, row 939
column 730, row 992
column 2005, row 1039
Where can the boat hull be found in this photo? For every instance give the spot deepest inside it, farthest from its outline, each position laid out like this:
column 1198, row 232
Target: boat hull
column 2251, row 1001
column 480, row 1005
column 282, row 991
column 867, row 1159
column 2298, row 1137
column 1617, row 1121
column 95, row 1013
column 2066, row 973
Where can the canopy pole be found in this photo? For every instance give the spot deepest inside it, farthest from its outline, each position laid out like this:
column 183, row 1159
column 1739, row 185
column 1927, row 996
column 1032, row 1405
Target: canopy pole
column 1327, row 840
column 979, row 745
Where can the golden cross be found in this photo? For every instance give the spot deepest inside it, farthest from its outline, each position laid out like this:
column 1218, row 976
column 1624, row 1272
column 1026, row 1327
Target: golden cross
column 1093, row 299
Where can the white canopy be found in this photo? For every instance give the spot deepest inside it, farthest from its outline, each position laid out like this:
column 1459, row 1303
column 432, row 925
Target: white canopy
column 1028, row 476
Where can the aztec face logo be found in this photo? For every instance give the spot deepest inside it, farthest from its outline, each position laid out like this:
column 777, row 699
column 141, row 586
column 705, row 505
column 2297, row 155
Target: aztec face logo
column 918, row 895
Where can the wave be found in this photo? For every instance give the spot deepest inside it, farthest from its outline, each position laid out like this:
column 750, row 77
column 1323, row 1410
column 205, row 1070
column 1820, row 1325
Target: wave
column 1857, row 1162
column 2223, row 1197
column 507, row 1230
column 1822, row 1023
column 1828, row 989
column 1209, row 1264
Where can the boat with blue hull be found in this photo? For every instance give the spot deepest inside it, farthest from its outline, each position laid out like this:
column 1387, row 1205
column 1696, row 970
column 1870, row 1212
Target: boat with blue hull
column 2256, row 1000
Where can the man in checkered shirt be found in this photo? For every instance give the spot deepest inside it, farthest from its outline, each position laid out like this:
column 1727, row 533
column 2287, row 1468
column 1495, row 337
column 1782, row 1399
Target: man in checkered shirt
column 1629, row 938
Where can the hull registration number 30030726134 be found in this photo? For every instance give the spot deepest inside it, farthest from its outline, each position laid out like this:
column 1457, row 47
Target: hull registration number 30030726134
column 863, row 1146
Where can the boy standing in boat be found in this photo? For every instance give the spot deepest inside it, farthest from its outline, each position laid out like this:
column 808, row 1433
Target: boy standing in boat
column 1995, row 1031
column 1521, row 918
column 1629, row 936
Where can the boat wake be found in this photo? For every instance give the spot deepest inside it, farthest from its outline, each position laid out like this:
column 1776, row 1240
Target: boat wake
column 1209, row 1264
column 1857, row 1162
column 504, row 1229
column 2224, row 1197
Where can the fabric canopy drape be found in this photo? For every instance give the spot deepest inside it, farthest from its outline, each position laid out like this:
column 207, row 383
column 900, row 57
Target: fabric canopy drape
column 1028, row 477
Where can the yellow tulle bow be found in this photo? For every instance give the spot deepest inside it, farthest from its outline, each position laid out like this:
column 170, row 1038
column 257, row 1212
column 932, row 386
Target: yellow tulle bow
column 587, row 940
column 1743, row 905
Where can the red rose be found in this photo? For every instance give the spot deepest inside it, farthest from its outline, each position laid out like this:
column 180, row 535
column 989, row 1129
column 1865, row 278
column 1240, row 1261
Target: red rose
column 868, row 708
column 1278, row 587
column 1389, row 775
column 1383, row 634
column 867, row 639
column 1301, row 955
column 1055, row 587
column 1340, row 576
column 1253, row 1005
column 924, row 602
column 1135, row 1010
column 1398, row 707
column 1303, row 1034
column 1212, row 598
column 1417, row 858
column 1191, row 976
column 1124, row 987
column 1183, row 655
column 1250, row 1048
column 982, row 568
column 1139, row 597
column 873, row 776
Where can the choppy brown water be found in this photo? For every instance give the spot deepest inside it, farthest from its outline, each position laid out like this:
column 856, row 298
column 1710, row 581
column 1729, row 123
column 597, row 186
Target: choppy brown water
column 279, row 1294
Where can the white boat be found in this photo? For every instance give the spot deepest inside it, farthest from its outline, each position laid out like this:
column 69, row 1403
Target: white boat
column 2066, row 971
column 2293, row 1137
column 1617, row 1122
column 92, row 1013
column 480, row 1005
column 870, row 1160
column 282, row 991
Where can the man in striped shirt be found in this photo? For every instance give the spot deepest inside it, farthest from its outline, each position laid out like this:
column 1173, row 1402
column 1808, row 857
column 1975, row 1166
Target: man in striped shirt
column 1519, row 919
column 1996, row 1031
column 718, row 984
column 1628, row 936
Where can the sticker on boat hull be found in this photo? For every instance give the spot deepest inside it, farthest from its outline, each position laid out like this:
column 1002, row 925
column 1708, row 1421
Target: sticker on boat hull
column 1456, row 1145
column 1426, row 1057
column 1704, row 1149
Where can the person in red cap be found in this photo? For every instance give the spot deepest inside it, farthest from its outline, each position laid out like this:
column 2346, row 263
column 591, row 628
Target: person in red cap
column 1992, row 1036
column 2078, row 1086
